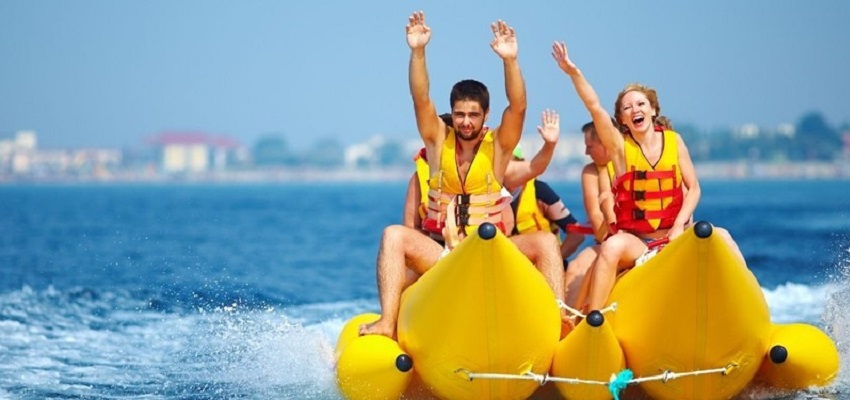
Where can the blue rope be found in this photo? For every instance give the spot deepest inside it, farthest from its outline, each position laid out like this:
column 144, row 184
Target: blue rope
column 620, row 383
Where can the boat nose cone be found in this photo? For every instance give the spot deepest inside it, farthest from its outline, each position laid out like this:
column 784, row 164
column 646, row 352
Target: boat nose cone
column 487, row 231
column 703, row 229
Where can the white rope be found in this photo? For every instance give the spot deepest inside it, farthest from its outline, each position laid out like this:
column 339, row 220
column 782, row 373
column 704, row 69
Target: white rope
column 528, row 376
column 670, row 375
column 577, row 313
column 543, row 379
column 573, row 311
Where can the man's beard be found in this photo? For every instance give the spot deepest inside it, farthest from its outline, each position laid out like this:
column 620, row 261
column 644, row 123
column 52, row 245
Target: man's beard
column 471, row 137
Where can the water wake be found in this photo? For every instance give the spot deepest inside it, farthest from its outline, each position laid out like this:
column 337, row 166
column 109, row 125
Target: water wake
column 836, row 318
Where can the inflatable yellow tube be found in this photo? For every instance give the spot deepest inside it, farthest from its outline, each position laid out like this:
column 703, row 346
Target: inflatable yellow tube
column 370, row 367
column 693, row 315
column 799, row 356
column 484, row 308
column 693, row 307
column 351, row 331
column 590, row 352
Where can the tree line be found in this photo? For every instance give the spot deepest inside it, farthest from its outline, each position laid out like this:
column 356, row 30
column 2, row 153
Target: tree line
column 812, row 138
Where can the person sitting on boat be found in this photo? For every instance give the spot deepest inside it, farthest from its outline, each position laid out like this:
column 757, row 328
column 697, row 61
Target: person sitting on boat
column 600, row 164
column 467, row 165
column 536, row 206
column 518, row 173
column 416, row 199
column 652, row 165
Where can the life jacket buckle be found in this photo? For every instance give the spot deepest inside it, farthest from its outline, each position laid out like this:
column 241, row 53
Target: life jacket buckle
column 640, row 175
column 638, row 214
column 639, row 195
column 462, row 207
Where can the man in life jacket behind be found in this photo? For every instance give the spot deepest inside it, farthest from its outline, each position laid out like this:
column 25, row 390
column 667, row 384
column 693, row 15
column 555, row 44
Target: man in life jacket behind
column 600, row 164
column 467, row 163
column 535, row 204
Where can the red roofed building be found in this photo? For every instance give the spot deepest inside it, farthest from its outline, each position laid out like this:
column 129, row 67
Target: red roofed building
column 193, row 151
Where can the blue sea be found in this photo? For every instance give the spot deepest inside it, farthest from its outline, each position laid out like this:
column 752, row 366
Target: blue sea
column 196, row 291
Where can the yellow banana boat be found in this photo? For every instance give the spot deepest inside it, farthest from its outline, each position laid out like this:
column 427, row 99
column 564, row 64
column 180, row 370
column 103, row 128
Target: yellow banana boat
column 484, row 308
column 690, row 323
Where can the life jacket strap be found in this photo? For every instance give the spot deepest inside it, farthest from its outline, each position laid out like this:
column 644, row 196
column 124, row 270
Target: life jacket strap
column 580, row 229
column 638, row 195
column 637, row 175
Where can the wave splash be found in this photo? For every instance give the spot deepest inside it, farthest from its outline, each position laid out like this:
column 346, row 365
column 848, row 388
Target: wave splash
column 84, row 343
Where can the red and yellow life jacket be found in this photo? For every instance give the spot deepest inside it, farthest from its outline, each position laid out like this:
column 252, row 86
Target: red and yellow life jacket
column 528, row 215
column 463, row 204
column 647, row 197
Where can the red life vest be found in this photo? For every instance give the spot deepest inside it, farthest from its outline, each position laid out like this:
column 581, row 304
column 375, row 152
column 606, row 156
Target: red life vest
column 649, row 197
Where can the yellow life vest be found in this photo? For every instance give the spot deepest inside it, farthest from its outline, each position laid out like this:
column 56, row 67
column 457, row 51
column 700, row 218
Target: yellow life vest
column 649, row 197
column 464, row 203
column 528, row 215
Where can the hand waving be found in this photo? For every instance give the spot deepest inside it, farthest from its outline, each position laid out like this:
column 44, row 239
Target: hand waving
column 551, row 130
column 504, row 41
column 562, row 57
column 418, row 34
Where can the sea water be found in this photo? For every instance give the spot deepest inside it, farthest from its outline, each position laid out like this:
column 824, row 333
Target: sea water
column 197, row 291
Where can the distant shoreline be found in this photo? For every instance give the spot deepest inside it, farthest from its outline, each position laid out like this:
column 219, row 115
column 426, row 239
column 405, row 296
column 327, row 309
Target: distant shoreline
column 839, row 170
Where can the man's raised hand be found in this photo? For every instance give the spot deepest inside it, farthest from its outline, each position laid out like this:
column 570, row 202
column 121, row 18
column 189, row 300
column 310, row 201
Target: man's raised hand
column 418, row 34
column 504, row 40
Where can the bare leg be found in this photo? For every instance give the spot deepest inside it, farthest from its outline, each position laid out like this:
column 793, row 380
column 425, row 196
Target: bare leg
column 542, row 249
column 618, row 252
column 400, row 247
column 575, row 274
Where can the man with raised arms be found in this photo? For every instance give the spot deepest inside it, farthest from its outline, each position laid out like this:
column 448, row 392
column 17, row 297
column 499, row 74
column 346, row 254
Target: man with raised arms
column 467, row 162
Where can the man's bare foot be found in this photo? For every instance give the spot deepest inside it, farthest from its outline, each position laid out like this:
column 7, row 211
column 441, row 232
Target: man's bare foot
column 379, row 327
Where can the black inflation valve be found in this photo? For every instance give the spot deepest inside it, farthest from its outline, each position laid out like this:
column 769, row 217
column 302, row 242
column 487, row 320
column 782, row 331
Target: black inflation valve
column 487, row 231
column 595, row 319
column 403, row 362
column 778, row 354
column 703, row 229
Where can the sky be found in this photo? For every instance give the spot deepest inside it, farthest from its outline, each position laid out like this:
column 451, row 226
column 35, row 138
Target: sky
column 110, row 73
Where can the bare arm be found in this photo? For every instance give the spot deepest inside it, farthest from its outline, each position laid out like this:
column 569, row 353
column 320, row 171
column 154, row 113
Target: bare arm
column 411, row 217
column 590, row 197
column 609, row 135
column 509, row 131
column 431, row 127
column 692, row 195
column 606, row 201
column 519, row 172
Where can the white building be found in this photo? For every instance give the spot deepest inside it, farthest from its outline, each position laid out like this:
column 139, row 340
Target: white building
column 194, row 152
column 16, row 154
